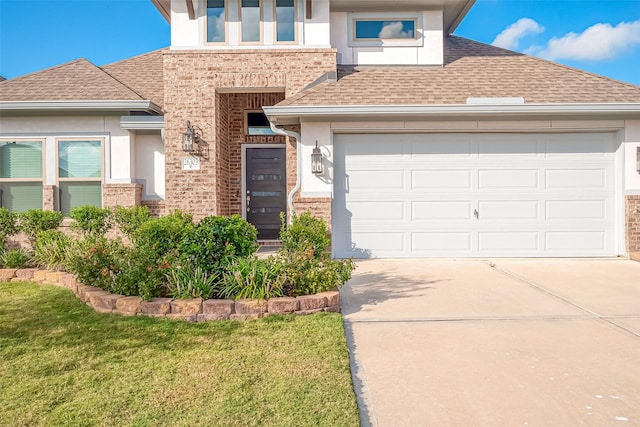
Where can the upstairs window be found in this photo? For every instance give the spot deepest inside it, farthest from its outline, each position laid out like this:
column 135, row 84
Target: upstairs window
column 79, row 173
column 21, row 176
column 216, row 21
column 250, row 17
column 374, row 29
column 285, row 21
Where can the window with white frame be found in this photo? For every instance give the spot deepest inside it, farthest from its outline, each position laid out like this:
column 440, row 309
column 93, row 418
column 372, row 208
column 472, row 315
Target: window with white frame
column 285, row 21
column 385, row 29
column 21, row 174
column 216, row 21
column 79, row 173
column 251, row 21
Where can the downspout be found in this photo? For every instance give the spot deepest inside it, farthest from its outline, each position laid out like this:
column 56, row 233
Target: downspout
column 296, row 187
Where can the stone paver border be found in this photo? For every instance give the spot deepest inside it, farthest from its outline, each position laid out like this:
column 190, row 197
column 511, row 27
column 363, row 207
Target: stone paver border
column 192, row 310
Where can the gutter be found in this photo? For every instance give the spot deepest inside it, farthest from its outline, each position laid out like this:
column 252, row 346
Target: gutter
column 296, row 187
column 142, row 122
column 456, row 110
column 109, row 105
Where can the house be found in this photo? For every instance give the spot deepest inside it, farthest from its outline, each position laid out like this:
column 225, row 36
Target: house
column 409, row 141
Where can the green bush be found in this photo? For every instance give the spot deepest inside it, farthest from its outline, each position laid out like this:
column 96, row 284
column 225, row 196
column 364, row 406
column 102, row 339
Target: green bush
column 34, row 221
column 135, row 272
column 216, row 240
column 90, row 220
column 191, row 282
column 306, row 233
column 129, row 220
column 14, row 258
column 8, row 226
column 253, row 278
column 92, row 259
column 160, row 236
column 50, row 249
column 306, row 275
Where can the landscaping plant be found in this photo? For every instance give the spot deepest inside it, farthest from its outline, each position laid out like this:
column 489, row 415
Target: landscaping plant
column 14, row 258
column 253, row 278
column 90, row 220
column 129, row 220
column 50, row 249
column 191, row 282
column 8, row 226
column 34, row 221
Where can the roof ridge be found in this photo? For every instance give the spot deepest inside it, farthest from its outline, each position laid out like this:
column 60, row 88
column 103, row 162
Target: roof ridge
column 548, row 61
column 134, row 57
column 53, row 67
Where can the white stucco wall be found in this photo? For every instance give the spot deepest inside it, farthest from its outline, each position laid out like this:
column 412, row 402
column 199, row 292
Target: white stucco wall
column 149, row 165
column 632, row 142
column 426, row 50
column 117, row 144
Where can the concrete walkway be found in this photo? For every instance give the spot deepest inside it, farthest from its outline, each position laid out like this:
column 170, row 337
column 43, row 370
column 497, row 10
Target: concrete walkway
column 515, row 343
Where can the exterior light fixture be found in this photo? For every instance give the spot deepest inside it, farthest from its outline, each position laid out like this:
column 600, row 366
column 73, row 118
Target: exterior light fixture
column 316, row 160
column 191, row 139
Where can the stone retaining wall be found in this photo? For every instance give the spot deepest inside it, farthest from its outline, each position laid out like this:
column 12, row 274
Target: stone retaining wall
column 192, row 310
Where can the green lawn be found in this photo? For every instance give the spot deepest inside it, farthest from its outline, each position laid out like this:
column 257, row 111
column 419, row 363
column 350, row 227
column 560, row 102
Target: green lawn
column 61, row 363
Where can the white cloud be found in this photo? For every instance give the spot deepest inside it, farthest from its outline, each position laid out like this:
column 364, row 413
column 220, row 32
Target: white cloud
column 393, row 30
column 598, row 42
column 510, row 36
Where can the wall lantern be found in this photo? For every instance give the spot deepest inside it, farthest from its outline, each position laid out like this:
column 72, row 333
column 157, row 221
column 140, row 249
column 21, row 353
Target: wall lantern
column 316, row 160
column 191, row 139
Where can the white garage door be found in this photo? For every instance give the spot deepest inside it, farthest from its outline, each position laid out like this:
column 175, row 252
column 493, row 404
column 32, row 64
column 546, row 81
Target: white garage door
column 474, row 195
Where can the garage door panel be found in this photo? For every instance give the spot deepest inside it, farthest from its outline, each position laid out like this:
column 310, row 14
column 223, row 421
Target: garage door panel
column 499, row 241
column 375, row 180
column 508, row 178
column 576, row 178
column 509, row 210
column 441, row 210
column 454, row 242
column 385, row 210
column 576, row 241
column 576, row 210
column 441, row 179
column 533, row 198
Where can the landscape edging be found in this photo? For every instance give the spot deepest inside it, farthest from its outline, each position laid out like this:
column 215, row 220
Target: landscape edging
column 192, row 310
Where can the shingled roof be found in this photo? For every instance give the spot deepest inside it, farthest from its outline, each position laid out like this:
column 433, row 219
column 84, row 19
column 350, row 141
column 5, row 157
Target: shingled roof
column 133, row 79
column 471, row 69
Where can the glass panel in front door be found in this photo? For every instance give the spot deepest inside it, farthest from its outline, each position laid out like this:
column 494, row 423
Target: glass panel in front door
column 266, row 189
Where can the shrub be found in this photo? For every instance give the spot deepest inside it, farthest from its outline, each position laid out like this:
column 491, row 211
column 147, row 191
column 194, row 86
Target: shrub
column 34, row 221
column 90, row 220
column 129, row 220
column 253, row 278
column 92, row 260
column 8, row 225
column 191, row 282
column 135, row 273
column 160, row 236
column 50, row 249
column 14, row 258
column 306, row 233
column 306, row 275
column 217, row 240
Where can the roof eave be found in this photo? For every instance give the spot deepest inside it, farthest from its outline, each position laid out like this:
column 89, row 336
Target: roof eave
column 142, row 122
column 109, row 105
column 164, row 7
column 289, row 114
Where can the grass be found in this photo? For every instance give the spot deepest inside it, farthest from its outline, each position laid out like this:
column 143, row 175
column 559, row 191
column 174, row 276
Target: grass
column 61, row 363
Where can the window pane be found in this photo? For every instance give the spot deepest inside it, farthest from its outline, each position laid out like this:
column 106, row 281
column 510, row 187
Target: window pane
column 21, row 159
column 367, row 29
column 285, row 21
column 257, row 124
column 79, row 159
column 74, row 194
column 21, row 196
column 215, row 21
column 250, row 20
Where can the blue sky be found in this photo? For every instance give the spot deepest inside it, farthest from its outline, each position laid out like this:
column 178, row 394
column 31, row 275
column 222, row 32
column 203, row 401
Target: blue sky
column 602, row 37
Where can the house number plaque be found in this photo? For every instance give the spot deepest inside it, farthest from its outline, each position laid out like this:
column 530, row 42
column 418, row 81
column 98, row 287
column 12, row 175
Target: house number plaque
column 190, row 164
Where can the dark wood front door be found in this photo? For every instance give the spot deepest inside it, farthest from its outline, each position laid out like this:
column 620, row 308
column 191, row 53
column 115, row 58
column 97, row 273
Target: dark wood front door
column 266, row 189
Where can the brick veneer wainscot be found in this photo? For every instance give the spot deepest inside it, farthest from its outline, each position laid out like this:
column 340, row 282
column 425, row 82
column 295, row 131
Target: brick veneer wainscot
column 632, row 223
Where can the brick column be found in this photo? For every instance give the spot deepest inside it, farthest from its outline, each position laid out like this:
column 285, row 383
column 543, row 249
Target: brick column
column 126, row 195
column 49, row 197
column 632, row 223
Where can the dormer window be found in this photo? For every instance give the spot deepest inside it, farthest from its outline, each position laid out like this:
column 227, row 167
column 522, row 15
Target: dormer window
column 250, row 18
column 216, row 28
column 389, row 29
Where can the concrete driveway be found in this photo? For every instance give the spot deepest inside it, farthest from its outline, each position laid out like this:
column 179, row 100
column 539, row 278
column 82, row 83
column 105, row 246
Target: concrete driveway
column 502, row 343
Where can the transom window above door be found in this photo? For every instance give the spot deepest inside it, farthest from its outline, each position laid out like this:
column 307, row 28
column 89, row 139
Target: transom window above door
column 256, row 123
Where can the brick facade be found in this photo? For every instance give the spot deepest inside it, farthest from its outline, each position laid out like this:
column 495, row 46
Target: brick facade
column 156, row 207
column 632, row 223
column 49, row 197
column 213, row 89
column 126, row 195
